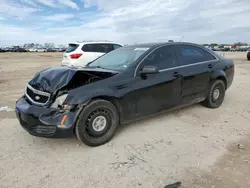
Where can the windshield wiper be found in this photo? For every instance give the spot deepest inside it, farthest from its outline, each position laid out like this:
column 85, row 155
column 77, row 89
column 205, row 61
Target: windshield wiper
column 97, row 67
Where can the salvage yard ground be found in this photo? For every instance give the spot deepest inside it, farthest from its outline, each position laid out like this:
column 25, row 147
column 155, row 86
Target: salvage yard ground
column 200, row 147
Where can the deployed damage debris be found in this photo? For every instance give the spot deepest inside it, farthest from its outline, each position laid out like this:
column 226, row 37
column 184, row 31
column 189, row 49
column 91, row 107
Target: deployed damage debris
column 175, row 185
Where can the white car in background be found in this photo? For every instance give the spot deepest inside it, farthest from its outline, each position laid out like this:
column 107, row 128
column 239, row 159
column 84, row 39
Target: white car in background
column 37, row 50
column 79, row 54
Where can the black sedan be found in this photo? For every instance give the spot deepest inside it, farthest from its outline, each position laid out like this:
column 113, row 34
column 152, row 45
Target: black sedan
column 126, row 84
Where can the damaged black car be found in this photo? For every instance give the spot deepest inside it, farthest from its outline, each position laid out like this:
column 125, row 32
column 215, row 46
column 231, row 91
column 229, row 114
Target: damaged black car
column 126, row 84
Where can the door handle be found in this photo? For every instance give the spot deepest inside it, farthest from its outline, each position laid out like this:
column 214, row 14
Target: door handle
column 176, row 74
column 210, row 66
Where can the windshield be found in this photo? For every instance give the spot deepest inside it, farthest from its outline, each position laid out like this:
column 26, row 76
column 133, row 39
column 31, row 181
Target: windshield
column 118, row 59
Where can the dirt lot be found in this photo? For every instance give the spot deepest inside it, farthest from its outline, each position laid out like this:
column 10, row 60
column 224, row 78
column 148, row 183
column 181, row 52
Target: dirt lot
column 194, row 145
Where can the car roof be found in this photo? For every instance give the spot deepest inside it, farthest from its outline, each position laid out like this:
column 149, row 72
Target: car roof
column 157, row 44
column 94, row 42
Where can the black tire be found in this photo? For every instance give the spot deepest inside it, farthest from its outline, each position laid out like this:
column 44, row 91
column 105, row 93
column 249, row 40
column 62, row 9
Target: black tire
column 96, row 111
column 211, row 101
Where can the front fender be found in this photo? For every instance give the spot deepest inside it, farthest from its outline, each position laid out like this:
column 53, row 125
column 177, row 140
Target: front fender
column 82, row 97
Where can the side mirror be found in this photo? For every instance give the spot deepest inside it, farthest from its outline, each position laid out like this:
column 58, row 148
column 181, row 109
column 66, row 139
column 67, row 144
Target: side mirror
column 149, row 70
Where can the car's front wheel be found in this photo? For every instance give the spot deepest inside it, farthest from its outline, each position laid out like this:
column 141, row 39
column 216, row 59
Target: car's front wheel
column 216, row 95
column 97, row 123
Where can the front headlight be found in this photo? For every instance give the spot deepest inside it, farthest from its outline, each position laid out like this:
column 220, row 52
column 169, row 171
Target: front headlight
column 59, row 101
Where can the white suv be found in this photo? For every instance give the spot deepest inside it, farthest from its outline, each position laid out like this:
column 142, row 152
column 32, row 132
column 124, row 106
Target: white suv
column 80, row 54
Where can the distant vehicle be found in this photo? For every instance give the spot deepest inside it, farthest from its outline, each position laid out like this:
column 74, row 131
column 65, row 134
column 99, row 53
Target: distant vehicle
column 248, row 54
column 226, row 49
column 31, row 49
column 7, row 49
column 51, row 50
column 244, row 49
column 18, row 49
column 126, row 84
column 40, row 50
column 60, row 49
column 216, row 48
column 37, row 50
column 79, row 54
column 2, row 50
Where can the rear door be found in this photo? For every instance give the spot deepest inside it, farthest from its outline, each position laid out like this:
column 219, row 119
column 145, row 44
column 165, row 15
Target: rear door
column 101, row 49
column 195, row 66
column 91, row 52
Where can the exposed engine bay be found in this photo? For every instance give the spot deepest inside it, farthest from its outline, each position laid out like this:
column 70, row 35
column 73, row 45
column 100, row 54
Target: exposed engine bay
column 83, row 78
column 51, row 83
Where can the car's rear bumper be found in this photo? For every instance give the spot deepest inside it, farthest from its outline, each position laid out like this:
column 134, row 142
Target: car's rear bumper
column 72, row 63
column 45, row 122
column 66, row 62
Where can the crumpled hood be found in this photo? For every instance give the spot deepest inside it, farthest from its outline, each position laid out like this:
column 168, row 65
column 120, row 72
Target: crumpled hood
column 51, row 79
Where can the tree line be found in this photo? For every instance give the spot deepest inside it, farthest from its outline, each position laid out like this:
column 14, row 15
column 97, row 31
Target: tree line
column 45, row 45
column 235, row 44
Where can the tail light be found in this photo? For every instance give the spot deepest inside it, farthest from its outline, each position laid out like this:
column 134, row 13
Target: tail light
column 75, row 56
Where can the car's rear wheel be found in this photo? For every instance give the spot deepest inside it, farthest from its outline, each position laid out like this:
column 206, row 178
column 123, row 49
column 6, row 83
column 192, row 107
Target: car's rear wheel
column 97, row 123
column 216, row 95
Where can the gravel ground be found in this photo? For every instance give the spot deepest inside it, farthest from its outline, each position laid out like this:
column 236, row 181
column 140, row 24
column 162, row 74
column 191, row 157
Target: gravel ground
column 198, row 146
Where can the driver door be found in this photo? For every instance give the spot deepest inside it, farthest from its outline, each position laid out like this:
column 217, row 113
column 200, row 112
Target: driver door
column 160, row 91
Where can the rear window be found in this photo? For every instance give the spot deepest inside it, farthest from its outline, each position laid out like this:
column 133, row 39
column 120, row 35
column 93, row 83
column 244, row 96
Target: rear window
column 71, row 48
column 116, row 46
column 191, row 54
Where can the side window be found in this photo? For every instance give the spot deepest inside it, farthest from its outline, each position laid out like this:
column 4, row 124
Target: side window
column 209, row 56
column 107, row 48
column 87, row 48
column 190, row 54
column 163, row 58
column 116, row 46
column 101, row 48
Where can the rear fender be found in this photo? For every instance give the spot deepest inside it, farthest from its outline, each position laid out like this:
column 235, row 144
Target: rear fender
column 219, row 75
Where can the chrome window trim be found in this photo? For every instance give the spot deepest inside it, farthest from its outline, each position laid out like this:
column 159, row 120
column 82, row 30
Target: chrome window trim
column 177, row 67
column 37, row 92
column 181, row 66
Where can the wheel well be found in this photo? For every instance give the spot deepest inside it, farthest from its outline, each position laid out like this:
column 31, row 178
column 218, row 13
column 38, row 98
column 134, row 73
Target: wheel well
column 113, row 101
column 223, row 79
column 110, row 99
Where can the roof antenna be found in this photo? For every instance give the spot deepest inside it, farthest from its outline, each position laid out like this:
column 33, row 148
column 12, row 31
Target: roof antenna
column 181, row 38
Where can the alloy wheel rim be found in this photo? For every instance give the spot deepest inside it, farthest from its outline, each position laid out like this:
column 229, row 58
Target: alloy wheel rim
column 99, row 123
column 216, row 94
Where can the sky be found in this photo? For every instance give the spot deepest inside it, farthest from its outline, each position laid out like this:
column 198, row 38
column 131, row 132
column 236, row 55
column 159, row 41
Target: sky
column 124, row 21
